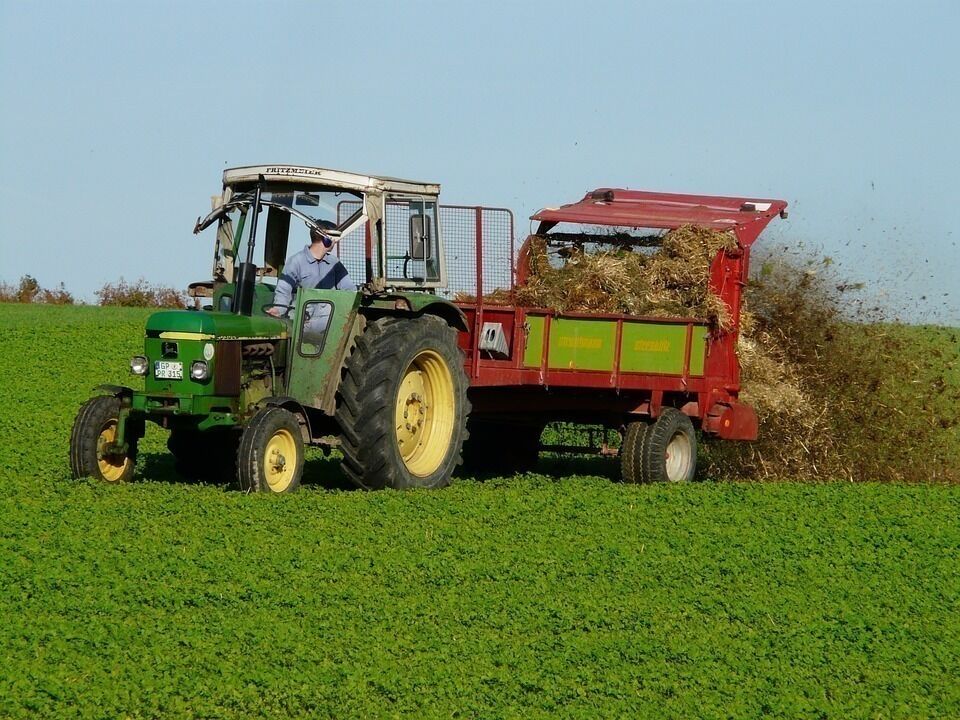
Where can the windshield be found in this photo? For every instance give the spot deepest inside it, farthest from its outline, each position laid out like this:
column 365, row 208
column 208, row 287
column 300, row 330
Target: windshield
column 283, row 227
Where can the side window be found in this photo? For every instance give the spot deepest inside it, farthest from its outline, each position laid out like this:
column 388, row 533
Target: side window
column 412, row 240
column 313, row 326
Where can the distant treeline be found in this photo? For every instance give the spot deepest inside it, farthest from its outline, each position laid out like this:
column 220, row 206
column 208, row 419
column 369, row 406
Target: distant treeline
column 121, row 293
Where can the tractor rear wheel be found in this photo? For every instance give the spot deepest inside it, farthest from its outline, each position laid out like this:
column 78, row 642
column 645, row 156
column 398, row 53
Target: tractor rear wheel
column 270, row 456
column 402, row 404
column 94, row 429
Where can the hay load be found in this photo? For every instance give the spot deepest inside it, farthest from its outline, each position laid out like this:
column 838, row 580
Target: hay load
column 613, row 274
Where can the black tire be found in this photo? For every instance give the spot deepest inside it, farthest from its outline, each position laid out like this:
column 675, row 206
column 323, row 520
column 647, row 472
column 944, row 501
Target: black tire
column 95, row 425
column 378, row 452
column 501, row 447
column 270, row 455
column 670, row 449
column 209, row 455
column 631, row 452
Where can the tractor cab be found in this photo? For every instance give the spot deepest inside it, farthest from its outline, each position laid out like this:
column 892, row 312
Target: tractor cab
column 385, row 231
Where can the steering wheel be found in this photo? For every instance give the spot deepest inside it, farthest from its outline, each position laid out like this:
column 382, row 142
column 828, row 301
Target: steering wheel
column 284, row 314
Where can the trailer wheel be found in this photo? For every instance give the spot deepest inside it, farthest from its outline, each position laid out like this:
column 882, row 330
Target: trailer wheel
column 402, row 404
column 669, row 449
column 94, row 428
column 270, row 455
column 631, row 452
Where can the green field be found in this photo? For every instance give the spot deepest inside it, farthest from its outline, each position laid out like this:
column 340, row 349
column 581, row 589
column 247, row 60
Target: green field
column 556, row 594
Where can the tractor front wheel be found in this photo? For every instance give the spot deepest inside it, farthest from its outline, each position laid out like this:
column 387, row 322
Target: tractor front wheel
column 94, row 432
column 270, row 456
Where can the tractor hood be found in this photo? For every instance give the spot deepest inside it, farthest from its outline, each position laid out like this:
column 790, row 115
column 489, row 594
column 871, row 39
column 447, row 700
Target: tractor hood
column 202, row 325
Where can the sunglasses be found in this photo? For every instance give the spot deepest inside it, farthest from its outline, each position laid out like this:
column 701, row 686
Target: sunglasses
column 327, row 242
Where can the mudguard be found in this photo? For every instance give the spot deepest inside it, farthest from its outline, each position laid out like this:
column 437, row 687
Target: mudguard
column 117, row 391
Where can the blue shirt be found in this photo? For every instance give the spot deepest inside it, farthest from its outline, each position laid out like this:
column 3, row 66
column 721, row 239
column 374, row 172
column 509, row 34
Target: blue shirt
column 304, row 270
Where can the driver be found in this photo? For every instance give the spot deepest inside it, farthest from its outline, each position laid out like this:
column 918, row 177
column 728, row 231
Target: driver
column 316, row 266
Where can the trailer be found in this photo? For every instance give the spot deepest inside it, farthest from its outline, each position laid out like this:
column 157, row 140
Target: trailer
column 653, row 379
column 402, row 375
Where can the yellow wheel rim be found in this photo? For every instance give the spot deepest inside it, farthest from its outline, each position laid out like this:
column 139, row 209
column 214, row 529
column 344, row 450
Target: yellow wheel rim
column 112, row 467
column 280, row 460
column 425, row 413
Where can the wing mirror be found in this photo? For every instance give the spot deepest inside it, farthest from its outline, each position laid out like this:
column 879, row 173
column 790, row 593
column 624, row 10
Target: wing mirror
column 421, row 238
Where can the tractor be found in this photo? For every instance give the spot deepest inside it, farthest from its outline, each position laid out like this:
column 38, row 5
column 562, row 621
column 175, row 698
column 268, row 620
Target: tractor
column 376, row 372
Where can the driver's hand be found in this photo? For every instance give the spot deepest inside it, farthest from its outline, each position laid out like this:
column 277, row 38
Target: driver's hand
column 275, row 311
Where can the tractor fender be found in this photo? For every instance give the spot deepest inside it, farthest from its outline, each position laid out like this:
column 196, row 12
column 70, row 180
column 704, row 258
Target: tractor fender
column 450, row 313
column 288, row 403
column 117, row 391
column 412, row 307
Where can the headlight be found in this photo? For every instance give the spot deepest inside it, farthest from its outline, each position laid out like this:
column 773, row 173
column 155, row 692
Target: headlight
column 199, row 370
column 138, row 365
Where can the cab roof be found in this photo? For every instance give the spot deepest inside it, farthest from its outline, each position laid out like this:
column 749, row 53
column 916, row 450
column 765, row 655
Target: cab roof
column 323, row 177
column 642, row 209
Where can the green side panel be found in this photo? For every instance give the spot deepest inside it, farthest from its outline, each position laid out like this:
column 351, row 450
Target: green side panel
column 698, row 350
column 315, row 359
column 533, row 352
column 220, row 324
column 581, row 344
column 653, row 348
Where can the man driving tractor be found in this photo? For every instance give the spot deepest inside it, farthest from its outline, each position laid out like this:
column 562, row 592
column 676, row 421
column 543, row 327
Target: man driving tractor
column 316, row 266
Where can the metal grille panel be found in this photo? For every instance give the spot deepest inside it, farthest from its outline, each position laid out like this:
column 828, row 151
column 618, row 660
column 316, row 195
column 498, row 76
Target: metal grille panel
column 458, row 225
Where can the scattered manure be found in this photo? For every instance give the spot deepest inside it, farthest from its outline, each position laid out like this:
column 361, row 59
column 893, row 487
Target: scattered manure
column 841, row 391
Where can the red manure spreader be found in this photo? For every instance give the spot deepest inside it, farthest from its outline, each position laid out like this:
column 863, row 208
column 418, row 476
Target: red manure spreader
column 655, row 379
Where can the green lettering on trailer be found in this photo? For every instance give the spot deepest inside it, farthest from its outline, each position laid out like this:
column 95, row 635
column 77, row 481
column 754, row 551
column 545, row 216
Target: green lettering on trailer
column 658, row 348
column 653, row 348
column 582, row 344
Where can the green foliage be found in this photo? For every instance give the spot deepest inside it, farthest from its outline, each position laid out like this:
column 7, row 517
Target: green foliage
column 140, row 294
column 28, row 290
column 539, row 595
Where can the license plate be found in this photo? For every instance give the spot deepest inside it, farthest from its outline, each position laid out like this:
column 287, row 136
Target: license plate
column 166, row 370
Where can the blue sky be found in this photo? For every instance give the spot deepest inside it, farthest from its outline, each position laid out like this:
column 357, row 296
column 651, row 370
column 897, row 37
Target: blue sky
column 118, row 119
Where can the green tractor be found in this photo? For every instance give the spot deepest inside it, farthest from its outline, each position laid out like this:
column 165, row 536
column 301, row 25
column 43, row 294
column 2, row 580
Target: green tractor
column 243, row 385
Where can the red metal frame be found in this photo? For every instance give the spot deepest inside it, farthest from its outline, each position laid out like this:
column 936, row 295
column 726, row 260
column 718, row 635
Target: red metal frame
column 500, row 387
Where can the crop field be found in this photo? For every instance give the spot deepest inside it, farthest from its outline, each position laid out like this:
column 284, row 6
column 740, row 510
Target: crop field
column 560, row 593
